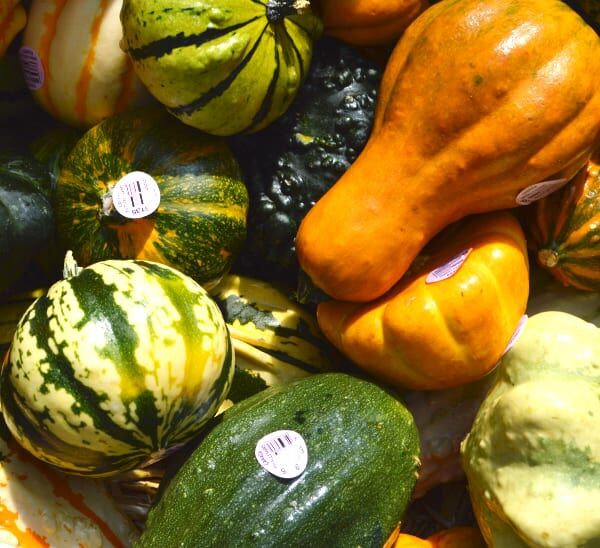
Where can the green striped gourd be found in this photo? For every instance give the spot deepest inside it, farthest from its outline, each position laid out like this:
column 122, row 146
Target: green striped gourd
column 114, row 366
column 564, row 230
column 275, row 340
column 84, row 76
column 222, row 66
column 200, row 223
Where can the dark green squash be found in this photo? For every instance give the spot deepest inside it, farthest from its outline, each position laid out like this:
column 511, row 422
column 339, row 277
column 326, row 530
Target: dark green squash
column 26, row 216
column 222, row 66
column 200, row 223
column 362, row 463
column 291, row 164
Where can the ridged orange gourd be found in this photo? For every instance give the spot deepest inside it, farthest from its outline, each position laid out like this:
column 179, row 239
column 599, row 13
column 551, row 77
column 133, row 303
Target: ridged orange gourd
column 73, row 62
column 12, row 21
column 431, row 332
column 478, row 101
column 564, row 230
column 368, row 22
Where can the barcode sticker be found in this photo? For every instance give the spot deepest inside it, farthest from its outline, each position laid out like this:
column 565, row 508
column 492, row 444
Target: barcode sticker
column 517, row 333
column 33, row 70
column 448, row 269
column 539, row 190
column 283, row 453
column 136, row 195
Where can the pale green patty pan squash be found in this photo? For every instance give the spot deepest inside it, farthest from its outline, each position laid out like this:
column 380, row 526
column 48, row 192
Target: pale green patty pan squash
column 532, row 457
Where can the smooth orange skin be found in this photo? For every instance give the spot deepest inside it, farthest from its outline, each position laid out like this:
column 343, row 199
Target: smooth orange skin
column 455, row 537
column 478, row 101
column 429, row 336
column 368, row 22
column 12, row 21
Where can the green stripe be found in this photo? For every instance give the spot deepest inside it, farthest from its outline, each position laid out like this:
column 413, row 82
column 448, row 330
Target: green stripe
column 166, row 45
column 219, row 88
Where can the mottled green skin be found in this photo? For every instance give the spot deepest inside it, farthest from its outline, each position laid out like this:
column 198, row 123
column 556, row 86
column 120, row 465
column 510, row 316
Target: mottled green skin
column 200, row 224
column 78, row 344
column 222, row 66
column 26, row 216
column 362, row 464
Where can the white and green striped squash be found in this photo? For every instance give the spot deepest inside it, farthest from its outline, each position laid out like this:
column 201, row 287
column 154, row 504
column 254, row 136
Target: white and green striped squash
column 115, row 366
column 85, row 76
column 222, row 66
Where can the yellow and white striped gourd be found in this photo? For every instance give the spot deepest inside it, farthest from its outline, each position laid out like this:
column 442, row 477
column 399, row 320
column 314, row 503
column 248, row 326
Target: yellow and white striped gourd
column 86, row 77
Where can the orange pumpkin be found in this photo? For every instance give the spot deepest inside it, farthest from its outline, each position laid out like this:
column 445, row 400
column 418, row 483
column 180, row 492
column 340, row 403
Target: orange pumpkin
column 455, row 537
column 12, row 21
column 368, row 22
column 479, row 100
column 431, row 332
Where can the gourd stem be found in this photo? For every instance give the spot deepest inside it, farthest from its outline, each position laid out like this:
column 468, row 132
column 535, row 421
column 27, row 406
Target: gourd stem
column 108, row 210
column 70, row 266
column 548, row 257
column 277, row 10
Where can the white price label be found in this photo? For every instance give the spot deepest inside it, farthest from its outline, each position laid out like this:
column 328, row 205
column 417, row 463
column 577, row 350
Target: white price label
column 517, row 333
column 136, row 195
column 33, row 70
column 539, row 190
column 283, row 453
column 448, row 269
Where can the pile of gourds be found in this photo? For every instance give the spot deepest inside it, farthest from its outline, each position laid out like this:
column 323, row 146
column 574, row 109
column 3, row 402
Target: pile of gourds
column 365, row 231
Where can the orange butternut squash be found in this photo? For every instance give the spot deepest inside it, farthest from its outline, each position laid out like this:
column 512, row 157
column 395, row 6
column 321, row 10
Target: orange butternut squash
column 455, row 537
column 478, row 101
column 426, row 334
column 368, row 22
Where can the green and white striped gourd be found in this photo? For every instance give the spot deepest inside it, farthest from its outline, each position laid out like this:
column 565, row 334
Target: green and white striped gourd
column 222, row 66
column 114, row 366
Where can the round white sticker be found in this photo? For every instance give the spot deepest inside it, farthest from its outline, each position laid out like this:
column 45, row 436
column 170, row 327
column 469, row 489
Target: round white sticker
column 283, row 453
column 33, row 70
column 136, row 195
column 517, row 333
column 539, row 190
column 448, row 269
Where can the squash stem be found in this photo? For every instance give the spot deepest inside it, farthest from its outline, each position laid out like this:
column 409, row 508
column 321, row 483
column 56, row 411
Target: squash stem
column 70, row 266
column 548, row 257
column 108, row 210
column 278, row 10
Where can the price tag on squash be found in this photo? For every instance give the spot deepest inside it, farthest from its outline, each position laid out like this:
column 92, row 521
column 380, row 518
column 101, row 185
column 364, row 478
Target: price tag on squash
column 136, row 195
column 539, row 190
column 448, row 269
column 33, row 70
column 283, row 453
column 517, row 333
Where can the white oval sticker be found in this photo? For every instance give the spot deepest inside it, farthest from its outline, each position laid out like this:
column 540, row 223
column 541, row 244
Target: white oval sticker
column 539, row 190
column 33, row 70
column 283, row 453
column 517, row 333
column 136, row 195
column 448, row 269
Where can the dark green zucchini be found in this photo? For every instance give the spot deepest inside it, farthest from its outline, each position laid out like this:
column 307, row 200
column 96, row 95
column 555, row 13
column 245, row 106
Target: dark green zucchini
column 362, row 465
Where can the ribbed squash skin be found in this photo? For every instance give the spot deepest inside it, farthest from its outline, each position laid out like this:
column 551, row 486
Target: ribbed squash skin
column 12, row 20
column 114, row 366
column 224, row 66
column 362, row 463
column 368, row 22
column 41, row 507
column 478, row 101
column 564, row 230
column 200, row 223
column 87, row 76
column 429, row 336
